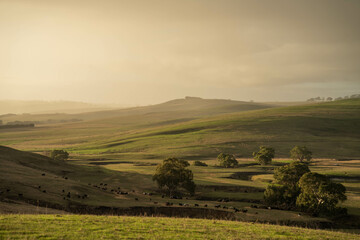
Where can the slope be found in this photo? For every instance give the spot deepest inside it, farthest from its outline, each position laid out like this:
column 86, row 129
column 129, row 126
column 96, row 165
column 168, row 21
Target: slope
column 31, row 179
column 190, row 107
column 328, row 129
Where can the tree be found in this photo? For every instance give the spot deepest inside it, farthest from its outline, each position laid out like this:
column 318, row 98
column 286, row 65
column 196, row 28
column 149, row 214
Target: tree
column 59, row 155
column 290, row 174
column 265, row 155
column 301, row 154
column 276, row 195
column 319, row 195
column 285, row 190
column 172, row 174
column 227, row 160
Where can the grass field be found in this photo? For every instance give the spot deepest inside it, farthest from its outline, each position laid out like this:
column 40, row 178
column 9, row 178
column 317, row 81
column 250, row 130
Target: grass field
column 112, row 227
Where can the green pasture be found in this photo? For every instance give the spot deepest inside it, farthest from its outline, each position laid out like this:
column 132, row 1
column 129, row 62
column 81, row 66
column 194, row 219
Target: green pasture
column 113, row 227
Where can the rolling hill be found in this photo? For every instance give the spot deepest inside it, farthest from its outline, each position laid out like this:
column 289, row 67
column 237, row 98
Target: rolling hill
column 29, row 183
column 329, row 129
column 179, row 109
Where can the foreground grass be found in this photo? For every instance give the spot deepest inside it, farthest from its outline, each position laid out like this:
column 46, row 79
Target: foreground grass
column 113, row 227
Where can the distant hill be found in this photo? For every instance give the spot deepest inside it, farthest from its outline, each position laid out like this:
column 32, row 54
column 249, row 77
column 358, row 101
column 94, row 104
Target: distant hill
column 46, row 107
column 189, row 107
column 329, row 129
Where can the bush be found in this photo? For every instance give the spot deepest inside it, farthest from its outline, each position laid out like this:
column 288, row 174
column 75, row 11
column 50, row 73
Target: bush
column 227, row 160
column 59, row 155
column 199, row 163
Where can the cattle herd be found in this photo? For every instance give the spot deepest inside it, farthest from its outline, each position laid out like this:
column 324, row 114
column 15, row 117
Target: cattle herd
column 67, row 195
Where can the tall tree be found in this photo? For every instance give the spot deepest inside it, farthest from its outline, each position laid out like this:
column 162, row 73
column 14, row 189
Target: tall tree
column 173, row 174
column 319, row 194
column 285, row 189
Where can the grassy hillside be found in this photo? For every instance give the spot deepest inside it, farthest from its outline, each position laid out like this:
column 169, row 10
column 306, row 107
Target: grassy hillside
column 180, row 109
column 106, row 227
column 28, row 178
column 328, row 129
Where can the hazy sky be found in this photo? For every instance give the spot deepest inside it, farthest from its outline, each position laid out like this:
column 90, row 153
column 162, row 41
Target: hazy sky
column 142, row 52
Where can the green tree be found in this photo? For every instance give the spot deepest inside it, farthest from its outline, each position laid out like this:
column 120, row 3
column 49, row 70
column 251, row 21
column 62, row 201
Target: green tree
column 290, row 174
column 265, row 155
column 301, row 154
column 285, row 190
column 172, row 174
column 59, row 155
column 320, row 195
column 227, row 160
column 274, row 195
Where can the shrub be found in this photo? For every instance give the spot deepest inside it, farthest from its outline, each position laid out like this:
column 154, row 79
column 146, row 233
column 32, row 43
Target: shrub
column 59, row 155
column 199, row 163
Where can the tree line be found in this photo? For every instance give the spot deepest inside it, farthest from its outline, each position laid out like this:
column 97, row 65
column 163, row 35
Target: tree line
column 294, row 187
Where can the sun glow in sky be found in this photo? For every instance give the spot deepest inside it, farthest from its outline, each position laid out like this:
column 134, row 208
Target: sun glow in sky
column 145, row 52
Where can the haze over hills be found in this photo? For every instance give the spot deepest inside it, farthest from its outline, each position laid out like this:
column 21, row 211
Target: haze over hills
column 188, row 107
column 48, row 107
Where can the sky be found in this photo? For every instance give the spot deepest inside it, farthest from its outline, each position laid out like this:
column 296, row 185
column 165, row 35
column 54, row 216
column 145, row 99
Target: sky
column 145, row 52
